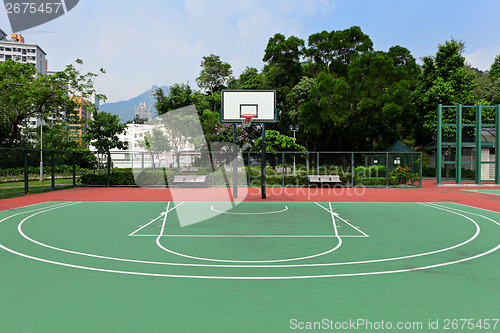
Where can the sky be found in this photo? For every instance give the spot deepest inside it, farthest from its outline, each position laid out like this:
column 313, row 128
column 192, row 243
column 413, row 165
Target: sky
column 143, row 43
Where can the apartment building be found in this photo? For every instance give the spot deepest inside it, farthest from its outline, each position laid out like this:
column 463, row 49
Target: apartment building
column 16, row 49
column 77, row 122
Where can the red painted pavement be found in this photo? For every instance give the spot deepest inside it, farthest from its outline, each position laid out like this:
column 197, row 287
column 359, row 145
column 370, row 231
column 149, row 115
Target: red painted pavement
column 428, row 193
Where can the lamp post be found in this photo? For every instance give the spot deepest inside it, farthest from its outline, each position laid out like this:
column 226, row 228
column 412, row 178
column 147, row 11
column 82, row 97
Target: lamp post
column 294, row 128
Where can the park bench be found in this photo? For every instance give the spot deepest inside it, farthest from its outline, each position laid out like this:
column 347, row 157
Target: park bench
column 322, row 180
column 190, row 180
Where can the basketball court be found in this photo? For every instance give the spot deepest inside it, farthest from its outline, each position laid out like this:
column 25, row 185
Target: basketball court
column 238, row 258
column 99, row 261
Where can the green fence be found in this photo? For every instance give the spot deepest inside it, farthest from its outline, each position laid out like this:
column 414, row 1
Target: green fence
column 20, row 169
column 24, row 171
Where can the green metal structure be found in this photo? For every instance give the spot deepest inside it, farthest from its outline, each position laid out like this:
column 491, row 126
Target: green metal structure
column 458, row 143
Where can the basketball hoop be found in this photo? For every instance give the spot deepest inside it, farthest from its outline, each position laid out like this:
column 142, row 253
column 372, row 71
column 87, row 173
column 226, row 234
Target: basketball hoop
column 246, row 119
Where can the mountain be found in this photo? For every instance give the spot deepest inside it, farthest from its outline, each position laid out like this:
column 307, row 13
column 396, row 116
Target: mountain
column 126, row 109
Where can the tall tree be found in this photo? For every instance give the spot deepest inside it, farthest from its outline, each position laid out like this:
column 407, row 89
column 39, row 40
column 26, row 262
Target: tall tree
column 283, row 70
column 444, row 80
column 250, row 78
column 334, row 51
column 25, row 94
column 283, row 57
column 102, row 132
column 367, row 109
column 495, row 69
column 155, row 142
column 179, row 95
column 215, row 74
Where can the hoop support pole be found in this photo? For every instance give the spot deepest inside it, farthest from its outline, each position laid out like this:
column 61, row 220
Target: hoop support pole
column 263, row 163
column 235, row 170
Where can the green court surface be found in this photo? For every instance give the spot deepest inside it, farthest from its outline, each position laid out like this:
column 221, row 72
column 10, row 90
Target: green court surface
column 493, row 192
column 251, row 267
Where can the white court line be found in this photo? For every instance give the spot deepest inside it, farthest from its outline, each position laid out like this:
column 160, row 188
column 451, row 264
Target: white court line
column 144, row 226
column 251, row 236
column 488, row 210
column 40, row 203
column 260, row 213
column 250, row 278
column 337, row 215
column 463, row 211
column 33, row 210
column 249, row 261
column 355, row 228
column 244, row 266
column 335, row 229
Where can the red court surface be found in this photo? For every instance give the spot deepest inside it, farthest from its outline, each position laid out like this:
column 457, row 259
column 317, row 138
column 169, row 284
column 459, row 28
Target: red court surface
column 428, row 193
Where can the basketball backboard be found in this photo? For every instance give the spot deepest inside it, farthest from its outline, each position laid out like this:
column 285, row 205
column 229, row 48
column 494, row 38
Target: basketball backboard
column 261, row 103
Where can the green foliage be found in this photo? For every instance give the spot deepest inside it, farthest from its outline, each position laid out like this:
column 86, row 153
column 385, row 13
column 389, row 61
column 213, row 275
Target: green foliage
column 249, row 79
column 372, row 171
column 334, row 51
column 215, row 74
column 368, row 109
column 180, row 95
column 224, row 132
column 495, row 69
column 24, row 94
column 403, row 175
column 444, row 80
column 103, row 130
column 56, row 136
column 117, row 177
column 275, row 141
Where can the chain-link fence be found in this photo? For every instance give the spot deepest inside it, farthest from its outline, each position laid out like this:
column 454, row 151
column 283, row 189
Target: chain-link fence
column 22, row 172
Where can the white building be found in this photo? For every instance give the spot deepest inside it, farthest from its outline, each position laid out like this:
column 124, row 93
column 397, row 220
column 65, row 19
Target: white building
column 137, row 156
column 15, row 49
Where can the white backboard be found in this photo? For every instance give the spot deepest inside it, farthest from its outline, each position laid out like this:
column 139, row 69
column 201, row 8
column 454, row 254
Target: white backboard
column 235, row 103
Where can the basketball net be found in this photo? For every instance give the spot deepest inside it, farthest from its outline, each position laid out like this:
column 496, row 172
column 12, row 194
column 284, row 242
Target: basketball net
column 246, row 119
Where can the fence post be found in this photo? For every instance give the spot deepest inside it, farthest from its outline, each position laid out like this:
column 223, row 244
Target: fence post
column 142, row 168
column 478, row 144
column 420, row 169
column 26, row 178
column 52, row 171
column 497, row 146
column 283, row 169
column 352, row 169
column 109, row 167
column 74, row 168
column 458, row 146
column 439, row 154
column 386, row 169
column 317, row 163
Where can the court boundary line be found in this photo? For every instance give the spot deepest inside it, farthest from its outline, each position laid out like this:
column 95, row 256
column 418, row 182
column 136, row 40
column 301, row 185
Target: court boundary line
column 343, row 220
column 252, row 236
column 256, row 266
column 262, row 213
column 262, row 277
column 158, row 243
column 364, row 235
column 144, row 226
